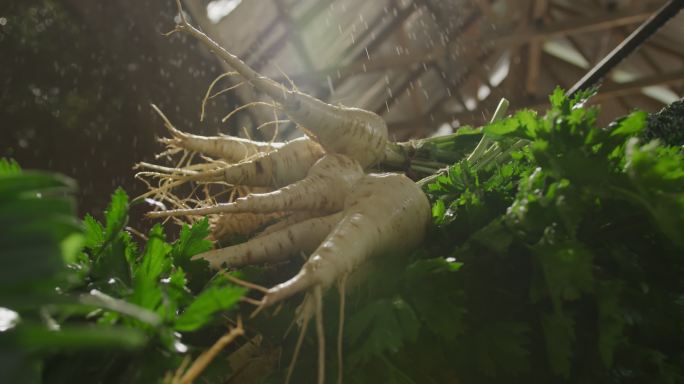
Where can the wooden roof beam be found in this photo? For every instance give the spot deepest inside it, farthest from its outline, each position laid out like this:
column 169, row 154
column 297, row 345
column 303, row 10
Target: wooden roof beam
column 469, row 50
column 261, row 60
column 539, row 9
column 419, row 71
column 635, row 86
column 611, row 90
column 295, row 34
column 655, row 44
column 374, row 44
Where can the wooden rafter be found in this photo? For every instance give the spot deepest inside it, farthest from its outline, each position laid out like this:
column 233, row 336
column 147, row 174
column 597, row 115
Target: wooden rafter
column 524, row 38
column 377, row 38
column 258, row 62
column 468, row 50
column 419, row 71
column 295, row 35
column 610, row 90
column 539, row 8
column 635, row 86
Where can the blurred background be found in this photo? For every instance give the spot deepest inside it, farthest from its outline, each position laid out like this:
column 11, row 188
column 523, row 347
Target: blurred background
column 78, row 76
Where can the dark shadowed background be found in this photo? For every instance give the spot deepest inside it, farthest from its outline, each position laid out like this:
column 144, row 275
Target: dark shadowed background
column 77, row 79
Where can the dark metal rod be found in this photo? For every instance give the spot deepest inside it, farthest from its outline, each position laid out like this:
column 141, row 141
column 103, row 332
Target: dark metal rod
column 631, row 43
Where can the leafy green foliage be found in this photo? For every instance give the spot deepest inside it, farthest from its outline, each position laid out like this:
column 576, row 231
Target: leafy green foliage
column 499, row 348
column 211, row 300
column 155, row 279
column 438, row 304
column 382, row 326
column 73, row 288
column 40, row 238
column 560, row 264
column 568, row 229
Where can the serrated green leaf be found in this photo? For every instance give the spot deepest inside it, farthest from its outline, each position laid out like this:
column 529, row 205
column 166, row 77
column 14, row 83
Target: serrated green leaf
column 210, row 301
column 503, row 128
column 71, row 247
column 610, row 318
column 632, row 125
column 382, row 326
column 438, row 211
column 146, row 293
column 426, row 268
column 155, row 262
column 559, row 334
column 177, row 280
column 500, row 348
column 658, row 174
column 493, row 236
column 432, row 289
column 654, row 167
column 94, row 232
column 191, row 241
column 156, row 259
column 112, row 260
column 529, row 120
column 9, row 167
column 177, row 293
column 567, row 268
column 557, row 98
column 116, row 214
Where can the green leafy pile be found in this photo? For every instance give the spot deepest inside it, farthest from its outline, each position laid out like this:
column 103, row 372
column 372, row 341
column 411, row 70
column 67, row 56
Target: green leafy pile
column 562, row 264
column 558, row 259
column 40, row 236
column 82, row 303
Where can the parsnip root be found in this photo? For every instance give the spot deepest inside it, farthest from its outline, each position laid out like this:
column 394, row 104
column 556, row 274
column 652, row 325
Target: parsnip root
column 325, row 187
column 384, row 213
column 274, row 247
column 329, row 207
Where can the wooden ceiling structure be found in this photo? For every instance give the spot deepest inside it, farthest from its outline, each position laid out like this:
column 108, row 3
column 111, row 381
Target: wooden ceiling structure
column 429, row 65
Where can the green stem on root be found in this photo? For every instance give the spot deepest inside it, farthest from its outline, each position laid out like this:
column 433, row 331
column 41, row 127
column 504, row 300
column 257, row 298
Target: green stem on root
column 485, row 142
column 477, row 155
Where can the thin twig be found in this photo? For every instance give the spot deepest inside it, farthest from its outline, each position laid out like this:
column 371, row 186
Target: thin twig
column 340, row 330
column 246, row 284
column 300, row 339
column 208, row 356
column 320, row 333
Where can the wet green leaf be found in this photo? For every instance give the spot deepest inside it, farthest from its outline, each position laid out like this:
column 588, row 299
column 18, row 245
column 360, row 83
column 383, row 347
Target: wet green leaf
column 210, row 301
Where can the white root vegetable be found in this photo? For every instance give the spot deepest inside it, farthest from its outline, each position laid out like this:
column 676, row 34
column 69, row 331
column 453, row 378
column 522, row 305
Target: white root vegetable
column 279, row 167
column 357, row 133
column 227, row 226
column 324, row 189
column 323, row 173
column 276, row 246
column 293, row 218
column 231, row 149
column 384, row 213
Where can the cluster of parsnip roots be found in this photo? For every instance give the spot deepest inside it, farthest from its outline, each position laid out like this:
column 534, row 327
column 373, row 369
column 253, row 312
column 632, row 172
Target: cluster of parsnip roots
column 316, row 193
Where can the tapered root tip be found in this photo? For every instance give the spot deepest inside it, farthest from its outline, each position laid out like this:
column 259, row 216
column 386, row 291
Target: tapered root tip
column 258, row 309
column 299, row 283
column 167, row 123
column 165, row 214
column 156, row 214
